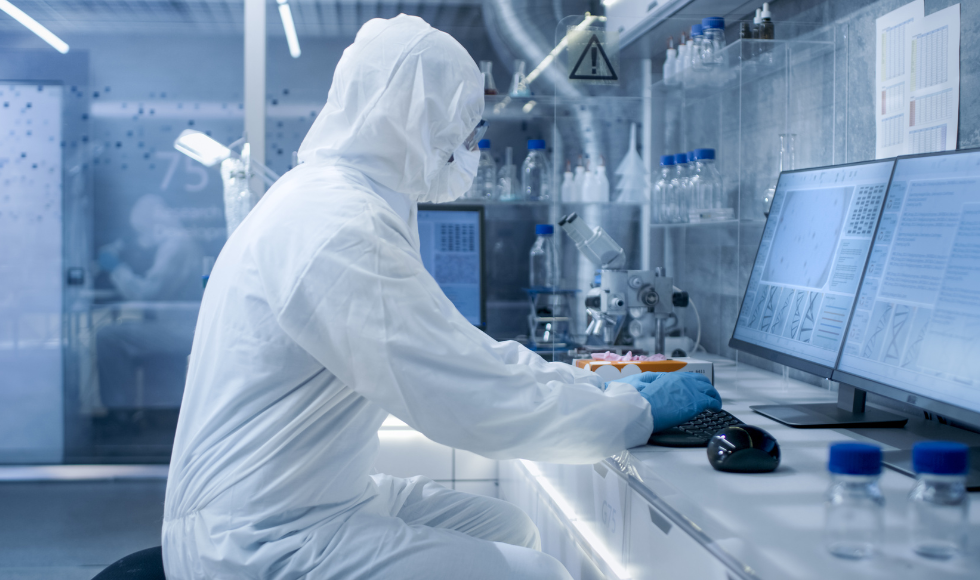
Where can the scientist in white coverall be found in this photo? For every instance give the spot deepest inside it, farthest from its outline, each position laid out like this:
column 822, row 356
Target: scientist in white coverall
column 319, row 320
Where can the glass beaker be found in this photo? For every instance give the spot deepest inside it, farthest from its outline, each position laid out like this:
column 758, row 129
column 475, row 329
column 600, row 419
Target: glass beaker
column 787, row 161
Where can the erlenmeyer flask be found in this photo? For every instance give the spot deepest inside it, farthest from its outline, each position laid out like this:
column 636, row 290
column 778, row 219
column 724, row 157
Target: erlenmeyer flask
column 489, row 87
column 787, row 161
column 518, row 84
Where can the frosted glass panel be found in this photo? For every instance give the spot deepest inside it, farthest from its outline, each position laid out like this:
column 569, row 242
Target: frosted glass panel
column 30, row 273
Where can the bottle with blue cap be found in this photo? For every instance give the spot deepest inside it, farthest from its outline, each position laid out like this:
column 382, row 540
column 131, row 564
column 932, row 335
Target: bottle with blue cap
column 938, row 503
column 661, row 209
column 544, row 258
column 536, row 172
column 713, row 42
column 485, row 184
column 678, row 192
column 854, row 505
column 707, row 181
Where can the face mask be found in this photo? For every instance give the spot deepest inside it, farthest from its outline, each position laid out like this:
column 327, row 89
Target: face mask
column 456, row 178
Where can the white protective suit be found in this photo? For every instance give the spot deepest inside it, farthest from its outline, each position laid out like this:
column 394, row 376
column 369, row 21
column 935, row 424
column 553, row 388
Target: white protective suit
column 319, row 319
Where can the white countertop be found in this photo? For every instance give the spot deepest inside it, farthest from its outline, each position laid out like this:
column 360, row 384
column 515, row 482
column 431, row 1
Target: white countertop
column 772, row 523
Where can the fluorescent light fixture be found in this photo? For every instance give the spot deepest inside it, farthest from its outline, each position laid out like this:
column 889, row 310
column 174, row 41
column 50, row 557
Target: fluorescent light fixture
column 589, row 19
column 289, row 26
column 34, row 26
column 200, row 147
column 583, row 528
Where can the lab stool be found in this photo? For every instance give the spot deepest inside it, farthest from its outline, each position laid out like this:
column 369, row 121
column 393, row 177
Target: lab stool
column 143, row 565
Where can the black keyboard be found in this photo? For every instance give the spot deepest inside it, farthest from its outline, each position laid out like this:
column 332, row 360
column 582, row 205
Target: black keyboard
column 696, row 432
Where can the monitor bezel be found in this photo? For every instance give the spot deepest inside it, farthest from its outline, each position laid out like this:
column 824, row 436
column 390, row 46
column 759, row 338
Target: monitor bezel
column 814, row 368
column 944, row 409
column 483, row 247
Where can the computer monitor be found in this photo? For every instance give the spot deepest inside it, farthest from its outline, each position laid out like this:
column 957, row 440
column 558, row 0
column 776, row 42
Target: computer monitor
column 804, row 280
column 809, row 263
column 451, row 243
column 915, row 332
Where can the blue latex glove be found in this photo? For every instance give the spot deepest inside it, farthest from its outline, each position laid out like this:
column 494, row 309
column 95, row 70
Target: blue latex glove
column 108, row 260
column 674, row 397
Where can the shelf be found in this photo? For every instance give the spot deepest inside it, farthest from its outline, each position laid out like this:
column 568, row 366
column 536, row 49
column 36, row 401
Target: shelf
column 506, row 108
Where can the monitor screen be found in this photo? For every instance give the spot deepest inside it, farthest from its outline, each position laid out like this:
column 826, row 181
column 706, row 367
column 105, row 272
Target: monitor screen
column 809, row 264
column 916, row 326
column 451, row 244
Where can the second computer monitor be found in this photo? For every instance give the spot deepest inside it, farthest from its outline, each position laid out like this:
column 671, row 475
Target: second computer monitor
column 915, row 333
column 809, row 263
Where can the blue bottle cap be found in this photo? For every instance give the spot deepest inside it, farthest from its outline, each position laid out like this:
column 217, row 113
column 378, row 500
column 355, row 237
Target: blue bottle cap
column 696, row 30
column 544, row 229
column 854, row 459
column 680, row 158
column 704, row 153
column 484, row 144
column 690, row 156
column 666, row 159
column 535, row 143
column 940, row 458
column 713, row 22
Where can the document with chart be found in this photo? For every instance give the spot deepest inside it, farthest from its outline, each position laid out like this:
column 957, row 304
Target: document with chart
column 917, row 79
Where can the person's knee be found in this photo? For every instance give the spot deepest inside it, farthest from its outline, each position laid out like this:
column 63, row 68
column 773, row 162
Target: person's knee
column 520, row 529
column 534, row 565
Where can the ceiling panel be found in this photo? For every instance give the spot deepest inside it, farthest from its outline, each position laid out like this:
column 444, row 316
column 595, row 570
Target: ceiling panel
column 327, row 18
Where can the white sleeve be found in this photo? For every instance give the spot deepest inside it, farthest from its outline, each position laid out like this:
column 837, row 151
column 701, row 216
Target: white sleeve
column 366, row 308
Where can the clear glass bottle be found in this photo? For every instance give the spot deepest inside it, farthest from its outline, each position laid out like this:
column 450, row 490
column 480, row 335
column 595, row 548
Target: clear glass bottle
column 536, row 172
column 508, row 188
column 661, row 197
column 938, row 503
column 694, row 54
column 787, row 162
column 489, row 87
column 680, row 193
column 485, row 184
column 710, row 191
column 713, row 44
column 544, row 258
column 854, row 506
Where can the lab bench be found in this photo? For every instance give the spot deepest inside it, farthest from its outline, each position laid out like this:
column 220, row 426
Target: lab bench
column 657, row 512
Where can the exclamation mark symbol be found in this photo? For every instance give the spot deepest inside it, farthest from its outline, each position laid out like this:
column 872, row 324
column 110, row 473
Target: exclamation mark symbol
column 595, row 53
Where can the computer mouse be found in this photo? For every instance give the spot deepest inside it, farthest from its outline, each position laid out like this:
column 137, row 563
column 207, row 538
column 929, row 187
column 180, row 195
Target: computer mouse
column 743, row 449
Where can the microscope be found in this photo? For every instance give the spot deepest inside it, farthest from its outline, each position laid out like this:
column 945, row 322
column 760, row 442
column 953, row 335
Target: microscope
column 624, row 296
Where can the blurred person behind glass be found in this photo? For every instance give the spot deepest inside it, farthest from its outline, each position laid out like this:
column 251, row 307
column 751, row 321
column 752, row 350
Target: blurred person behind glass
column 170, row 292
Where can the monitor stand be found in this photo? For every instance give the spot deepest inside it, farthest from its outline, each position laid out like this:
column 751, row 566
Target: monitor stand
column 850, row 410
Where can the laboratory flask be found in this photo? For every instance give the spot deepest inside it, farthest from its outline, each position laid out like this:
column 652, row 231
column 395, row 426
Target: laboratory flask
column 661, row 196
column 544, row 258
column 489, row 87
column 787, row 160
column 713, row 42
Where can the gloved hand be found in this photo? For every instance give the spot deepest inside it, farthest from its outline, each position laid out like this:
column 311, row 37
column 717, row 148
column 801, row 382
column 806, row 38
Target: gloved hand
column 674, row 397
column 108, row 260
column 109, row 255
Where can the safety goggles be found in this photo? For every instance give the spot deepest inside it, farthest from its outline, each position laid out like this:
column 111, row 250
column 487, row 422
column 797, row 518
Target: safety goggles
column 472, row 143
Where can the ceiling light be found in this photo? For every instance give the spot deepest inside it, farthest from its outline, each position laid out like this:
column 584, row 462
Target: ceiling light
column 34, row 26
column 290, row 27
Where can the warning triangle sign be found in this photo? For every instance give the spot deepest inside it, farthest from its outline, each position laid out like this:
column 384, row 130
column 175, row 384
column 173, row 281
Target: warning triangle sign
column 593, row 64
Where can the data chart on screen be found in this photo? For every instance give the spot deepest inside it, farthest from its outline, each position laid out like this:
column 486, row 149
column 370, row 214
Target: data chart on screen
column 810, row 259
column 916, row 325
column 450, row 246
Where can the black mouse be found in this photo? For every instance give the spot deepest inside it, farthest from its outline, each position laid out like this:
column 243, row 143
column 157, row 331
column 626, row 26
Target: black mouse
column 743, row 449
